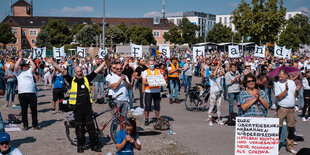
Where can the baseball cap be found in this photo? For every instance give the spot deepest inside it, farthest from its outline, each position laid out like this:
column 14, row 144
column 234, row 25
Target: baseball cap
column 4, row 137
column 23, row 63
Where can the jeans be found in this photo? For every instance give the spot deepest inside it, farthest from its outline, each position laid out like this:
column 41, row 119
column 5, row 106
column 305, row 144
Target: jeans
column 130, row 93
column 141, row 94
column 26, row 99
column 231, row 98
column 225, row 89
column 100, row 84
column 1, row 124
column 301, row 98
column 11, row 86
column 188, row 83
column 183, row 80
column 268, row 92
column 70, row 70
column 174, row 86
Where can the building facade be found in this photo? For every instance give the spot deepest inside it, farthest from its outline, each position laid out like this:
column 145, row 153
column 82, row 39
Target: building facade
column 26, row 27
column 204, row 21
column 227, row 21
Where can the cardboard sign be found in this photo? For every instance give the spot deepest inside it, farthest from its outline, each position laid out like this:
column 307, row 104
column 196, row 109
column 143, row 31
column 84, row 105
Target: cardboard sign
column 233, row 51
column 59, row 52
column 102, row 53
column 81, row 52
column 256, row 136
column 136, row 51
column 165, row 51
column 260, row 51
column 156, row 80
column 288, row 53
column 198, row 51
column 39, row 52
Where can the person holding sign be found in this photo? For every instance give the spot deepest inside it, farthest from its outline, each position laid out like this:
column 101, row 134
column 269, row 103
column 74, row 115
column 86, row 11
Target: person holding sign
column 173, row 77
column 253, row 101
column 151, row 93
column 285, row 92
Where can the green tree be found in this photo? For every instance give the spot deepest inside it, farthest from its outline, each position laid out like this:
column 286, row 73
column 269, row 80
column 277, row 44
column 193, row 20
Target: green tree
column 220, row 33
column 188, row 31
column 289, row 37
column 6, row 35
column 43, row 39
column 122, row 26
column 58, row 32
column 86, row 36
column 262, row 20
column 141, row 35
column 303, row 25
column 76, row 29
column 116, row 34
column 174, row 35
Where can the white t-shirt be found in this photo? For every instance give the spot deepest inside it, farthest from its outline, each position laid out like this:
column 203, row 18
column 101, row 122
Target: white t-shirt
column 121, row 89
column 153, row 90
column 253, row 65
column 14, row 151
column 25, row 81
column 108, row 79
column 289, row 99
column 215, row 84
column 306, row 64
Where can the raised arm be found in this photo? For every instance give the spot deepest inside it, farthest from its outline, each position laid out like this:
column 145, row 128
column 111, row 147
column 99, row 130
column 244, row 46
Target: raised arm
column 49, row 60
column 20, row 57
column 33, row 66
column 98, row 69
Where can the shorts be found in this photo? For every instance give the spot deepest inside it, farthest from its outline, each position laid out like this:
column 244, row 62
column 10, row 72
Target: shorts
column 58, row 94
column 148, row 101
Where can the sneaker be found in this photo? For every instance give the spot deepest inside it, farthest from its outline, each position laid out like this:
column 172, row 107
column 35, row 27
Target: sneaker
column 146, row 123
column 308, row 119
column 25, row 128
column 295, row 143
column 210, row 123
column 296, row 108
column 292, row 151
column 304, row 119
column 220, row 123
column 37, row 128
column 5, row 106
column 207, row 119
column 13, row 105
column 273, row 107
column 53, row 112
column 299, row 110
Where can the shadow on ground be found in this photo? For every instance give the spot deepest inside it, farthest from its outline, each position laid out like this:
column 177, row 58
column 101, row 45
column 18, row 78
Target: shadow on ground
column 44, row 124
column 17, row 142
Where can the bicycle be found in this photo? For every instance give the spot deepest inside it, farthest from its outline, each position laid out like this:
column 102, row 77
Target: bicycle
column 116, row 124
column 196, row 97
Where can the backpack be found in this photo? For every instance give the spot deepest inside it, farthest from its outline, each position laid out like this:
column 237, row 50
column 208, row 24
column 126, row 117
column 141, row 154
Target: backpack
column 162, row 124
column 15, row 118
column 231, row 119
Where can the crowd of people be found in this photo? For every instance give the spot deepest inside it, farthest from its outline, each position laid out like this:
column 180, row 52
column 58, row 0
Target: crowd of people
column 245, row 83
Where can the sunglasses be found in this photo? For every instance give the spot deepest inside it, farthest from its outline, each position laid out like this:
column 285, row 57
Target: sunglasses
column 5, row 142
column 249, row 81
column 118, row 69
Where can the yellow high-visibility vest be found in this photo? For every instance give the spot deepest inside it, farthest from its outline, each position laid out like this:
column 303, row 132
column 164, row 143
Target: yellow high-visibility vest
column 73, row 91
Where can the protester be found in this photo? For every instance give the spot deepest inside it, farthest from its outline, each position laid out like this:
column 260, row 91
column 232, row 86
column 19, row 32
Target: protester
column 151, row 93
column 27, row 90
column 11, row 83
column 306, row 86
column 174, row 82
column 129, row 72
column 47, row 78
column 5, row 145
column 98, row 81
column 233, row 86
column 58, row 89
column 188, row 73
column 80, row 100
column 285, row 92
column 128, row 138
column 297, row 78
column 138, row 75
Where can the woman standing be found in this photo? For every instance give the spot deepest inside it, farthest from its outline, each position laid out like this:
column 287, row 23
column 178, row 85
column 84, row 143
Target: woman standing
column 254, row 102
column 47, row 78
column 305, row 84
column 11, row 85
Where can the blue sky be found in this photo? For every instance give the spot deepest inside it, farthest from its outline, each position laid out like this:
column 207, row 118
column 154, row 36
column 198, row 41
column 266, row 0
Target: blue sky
column 137, row 8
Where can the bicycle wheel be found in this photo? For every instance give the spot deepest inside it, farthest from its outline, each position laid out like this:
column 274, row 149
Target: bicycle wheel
column 115, row 127
column 190, row 104
column 70, row 133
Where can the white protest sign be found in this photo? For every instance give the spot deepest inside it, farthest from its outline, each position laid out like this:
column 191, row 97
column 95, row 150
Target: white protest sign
column 198, row 51
column 102, row 53
column 59, row 52
column 279, row 51
column 156, row 80
column 136, row 50
column 39, row 52
column 260, row 51
column 233, row 51
column 81, row 52
column 256, row 136
column 288, row 52
column 165, row 50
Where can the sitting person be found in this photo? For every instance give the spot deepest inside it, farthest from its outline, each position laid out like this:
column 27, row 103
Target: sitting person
column 128, row 138
column 253, row 101
column 5, row 145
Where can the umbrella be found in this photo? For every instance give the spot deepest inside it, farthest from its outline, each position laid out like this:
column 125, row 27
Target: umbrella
column 275, row 72
column 247, row 58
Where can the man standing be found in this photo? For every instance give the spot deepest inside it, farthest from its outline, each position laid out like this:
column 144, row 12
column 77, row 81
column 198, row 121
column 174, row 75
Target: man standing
column 80, row 100
column 27, row 90
column 151, row 93
column 129, row 72
column 138, row 75
column 233, row 89
column 285, row 92
column 188, row 73
column 98, row 80
column 58, row 89
column 173, row 77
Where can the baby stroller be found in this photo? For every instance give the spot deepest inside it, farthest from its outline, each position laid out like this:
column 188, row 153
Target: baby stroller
column 196, row 97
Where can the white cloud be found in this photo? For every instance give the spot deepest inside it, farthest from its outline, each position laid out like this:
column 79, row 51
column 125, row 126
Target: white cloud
column 78, row 9
column 156, row 14
column 305, row 9
column 233, row 4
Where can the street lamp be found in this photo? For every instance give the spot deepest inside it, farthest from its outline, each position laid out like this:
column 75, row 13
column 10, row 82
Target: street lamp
column 103, row 24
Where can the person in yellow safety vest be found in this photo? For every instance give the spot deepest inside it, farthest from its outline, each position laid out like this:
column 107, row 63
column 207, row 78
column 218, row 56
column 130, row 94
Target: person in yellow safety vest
column 173, row 77
column 151, row 93
column 80, row 100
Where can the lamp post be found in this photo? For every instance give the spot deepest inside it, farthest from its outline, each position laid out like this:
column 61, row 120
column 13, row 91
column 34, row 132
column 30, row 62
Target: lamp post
column 103, row 24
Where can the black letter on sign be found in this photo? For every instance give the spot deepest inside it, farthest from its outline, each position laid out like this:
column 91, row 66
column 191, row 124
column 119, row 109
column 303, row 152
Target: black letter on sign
column 259, row 50
column 197, row 51
column 234, row 51
column 134, row 51
column 38, row 53
column 279, row 51
column 58, row 50
column 82, row 51
column 164, row 51
column 102, row 53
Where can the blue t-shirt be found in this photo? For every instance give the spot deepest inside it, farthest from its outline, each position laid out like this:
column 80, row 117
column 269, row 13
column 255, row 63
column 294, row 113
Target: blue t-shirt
column 181, row 64
column 57, row 82
column 208, row 73
column 128, row 148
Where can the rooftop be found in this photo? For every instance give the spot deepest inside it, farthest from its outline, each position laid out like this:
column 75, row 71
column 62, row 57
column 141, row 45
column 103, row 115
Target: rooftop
column 21, row 3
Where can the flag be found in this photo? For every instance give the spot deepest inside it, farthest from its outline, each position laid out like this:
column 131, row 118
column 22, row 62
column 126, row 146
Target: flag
column 153, row 51
column 158, row 53
column 188, row 54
